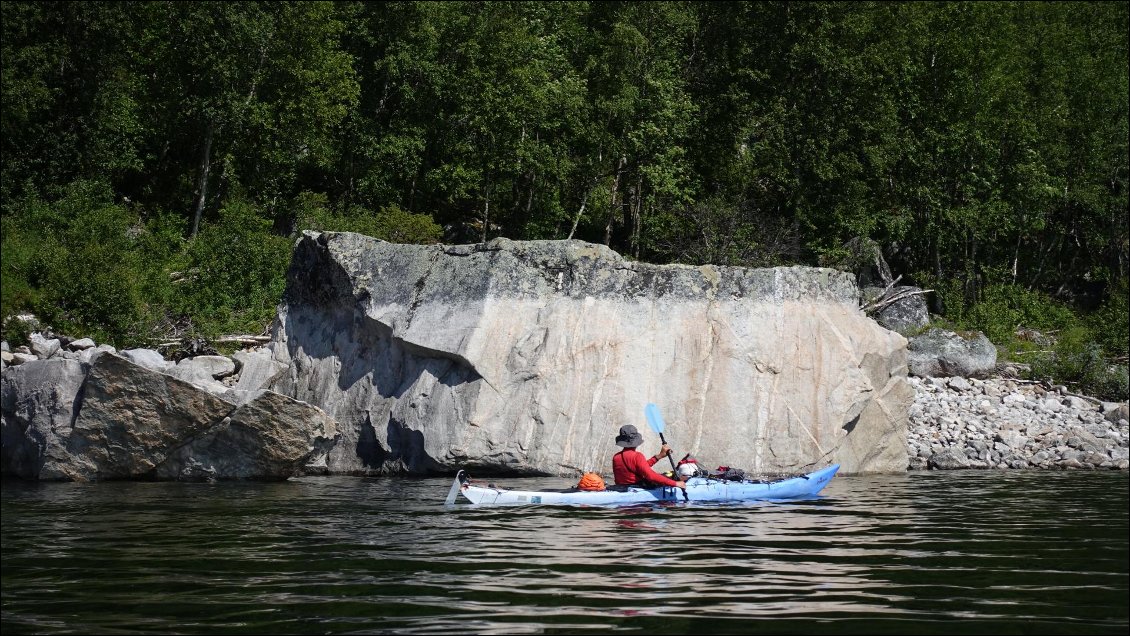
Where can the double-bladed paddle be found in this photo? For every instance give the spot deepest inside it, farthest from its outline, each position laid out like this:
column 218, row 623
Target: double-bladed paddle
column 655, row 421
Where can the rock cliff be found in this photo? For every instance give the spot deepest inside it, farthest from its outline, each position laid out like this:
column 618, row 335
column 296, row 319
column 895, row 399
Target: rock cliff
column 528, row 357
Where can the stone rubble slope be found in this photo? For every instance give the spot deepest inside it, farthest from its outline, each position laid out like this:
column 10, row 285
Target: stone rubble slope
column 999, row 423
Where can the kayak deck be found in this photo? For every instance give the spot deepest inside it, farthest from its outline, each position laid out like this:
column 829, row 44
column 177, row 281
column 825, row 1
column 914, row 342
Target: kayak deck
column 698, row 489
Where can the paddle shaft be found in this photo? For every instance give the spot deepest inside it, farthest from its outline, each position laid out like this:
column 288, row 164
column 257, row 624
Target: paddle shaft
column 664, row 440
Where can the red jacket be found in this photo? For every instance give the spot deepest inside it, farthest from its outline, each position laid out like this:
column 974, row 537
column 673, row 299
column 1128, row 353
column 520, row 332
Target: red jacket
column 630, row 467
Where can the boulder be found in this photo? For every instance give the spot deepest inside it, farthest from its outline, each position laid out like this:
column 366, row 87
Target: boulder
column 270, row 436
column 939, row 352
column 113, row 419
column 1115, row 411
column 87, row 356
column 257, row 369
column 147, row 358
column 43, row 347
column 908, row 315
column 81, row 344
column 215, row 367
column 527, row 357
column 20, row 357
column 950, row 459
column 959, row 384
column 865, row 260
column 130, row 419
column 198, row 379
column 38, row 400
column 204, row 372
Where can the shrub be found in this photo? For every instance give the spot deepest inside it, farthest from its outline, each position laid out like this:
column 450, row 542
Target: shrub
column 1111, row 323
column 234, row 273
column 1078, row 361
column 17, row 259
column 74, row 263
column 17, row 332
column 1004, row 308
column 389, row 224
column 1001, row 310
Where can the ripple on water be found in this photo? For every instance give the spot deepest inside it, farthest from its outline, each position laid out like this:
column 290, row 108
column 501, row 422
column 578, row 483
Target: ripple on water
column 934, row 552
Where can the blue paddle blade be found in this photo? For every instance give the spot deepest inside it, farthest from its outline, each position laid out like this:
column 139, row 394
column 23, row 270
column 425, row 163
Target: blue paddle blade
column 654, row 419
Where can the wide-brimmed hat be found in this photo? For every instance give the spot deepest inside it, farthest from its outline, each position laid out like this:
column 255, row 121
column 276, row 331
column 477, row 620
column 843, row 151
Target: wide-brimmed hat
column 629, row 437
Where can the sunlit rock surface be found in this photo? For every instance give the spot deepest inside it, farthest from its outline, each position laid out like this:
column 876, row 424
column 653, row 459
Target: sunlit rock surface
column 529, row 356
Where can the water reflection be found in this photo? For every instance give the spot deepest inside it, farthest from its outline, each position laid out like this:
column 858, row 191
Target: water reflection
column 920, row 553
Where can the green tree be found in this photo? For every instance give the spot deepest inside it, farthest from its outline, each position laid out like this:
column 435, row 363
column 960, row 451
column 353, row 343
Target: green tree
column 257, row 88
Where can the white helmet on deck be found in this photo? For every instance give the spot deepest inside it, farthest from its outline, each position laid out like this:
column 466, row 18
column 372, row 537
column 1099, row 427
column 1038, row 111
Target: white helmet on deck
column 687, row 470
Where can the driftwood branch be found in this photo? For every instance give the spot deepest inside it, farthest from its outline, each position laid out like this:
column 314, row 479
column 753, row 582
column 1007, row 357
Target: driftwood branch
column 245, row 340
column 887, row 299
column 886, row 302
column 883, row 294
column 890, row 286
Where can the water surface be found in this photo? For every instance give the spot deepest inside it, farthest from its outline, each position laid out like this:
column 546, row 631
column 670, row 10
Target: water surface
column 1002, row 552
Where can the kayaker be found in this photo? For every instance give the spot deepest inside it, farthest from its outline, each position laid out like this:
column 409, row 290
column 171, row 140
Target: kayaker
column 631, row 468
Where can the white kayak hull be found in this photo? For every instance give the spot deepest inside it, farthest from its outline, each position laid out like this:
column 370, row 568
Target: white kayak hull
column 698, row 489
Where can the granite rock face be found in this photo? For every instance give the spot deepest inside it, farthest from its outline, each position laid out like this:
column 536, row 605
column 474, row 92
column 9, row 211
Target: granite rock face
column 114, row 419
column 529, row 356
column 38, row 400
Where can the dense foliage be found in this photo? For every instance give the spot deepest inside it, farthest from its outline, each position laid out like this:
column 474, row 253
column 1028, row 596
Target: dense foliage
column 159, row 157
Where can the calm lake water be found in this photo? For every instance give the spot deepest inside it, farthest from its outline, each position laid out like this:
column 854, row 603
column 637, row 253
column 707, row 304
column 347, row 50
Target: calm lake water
column 991, row 552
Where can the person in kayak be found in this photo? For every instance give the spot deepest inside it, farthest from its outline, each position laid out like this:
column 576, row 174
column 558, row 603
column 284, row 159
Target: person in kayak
column 631, row 468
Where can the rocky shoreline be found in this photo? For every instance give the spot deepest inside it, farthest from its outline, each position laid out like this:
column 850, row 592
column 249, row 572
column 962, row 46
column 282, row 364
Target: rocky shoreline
column 1001, row 423
column 954, row 422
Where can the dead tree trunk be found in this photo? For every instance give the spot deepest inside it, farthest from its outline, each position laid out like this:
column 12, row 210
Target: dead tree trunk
column 612, row 202
column 202, row 179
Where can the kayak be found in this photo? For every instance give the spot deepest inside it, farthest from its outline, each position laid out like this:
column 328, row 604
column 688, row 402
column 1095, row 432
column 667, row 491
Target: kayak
column 698, row 489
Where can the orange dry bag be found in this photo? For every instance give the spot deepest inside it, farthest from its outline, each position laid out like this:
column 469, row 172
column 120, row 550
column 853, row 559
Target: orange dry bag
column 591, row 481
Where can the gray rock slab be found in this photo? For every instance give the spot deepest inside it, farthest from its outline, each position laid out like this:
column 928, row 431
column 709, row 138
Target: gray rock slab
column 945, row 353
column 257, row 369
column 37, row 402
column 147, row 358
column 215, row 367
column 42, row 347
column 269, row 437
column 130, row 419
column 81, row 344
column 528, row 356
column 114, row 419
